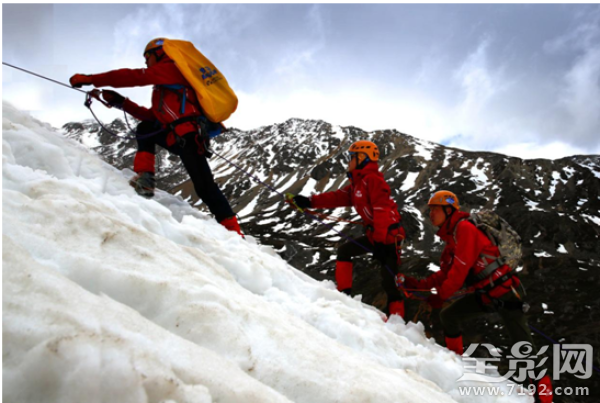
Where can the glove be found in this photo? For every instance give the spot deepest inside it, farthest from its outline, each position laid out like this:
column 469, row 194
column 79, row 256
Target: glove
column 411, row 283
column 79, row 80
column 113, row 98
column 302, row 201
column 380, row 252
column 435, row 301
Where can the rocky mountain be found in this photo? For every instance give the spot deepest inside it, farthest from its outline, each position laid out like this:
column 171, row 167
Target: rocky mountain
column 553, row 204
column 117, row 147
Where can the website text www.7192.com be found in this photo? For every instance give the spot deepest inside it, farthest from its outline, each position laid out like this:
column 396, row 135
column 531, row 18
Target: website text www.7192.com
column 521, row 391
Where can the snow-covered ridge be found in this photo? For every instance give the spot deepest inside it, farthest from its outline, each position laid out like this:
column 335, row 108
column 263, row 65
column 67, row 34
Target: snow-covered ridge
column 111, row 297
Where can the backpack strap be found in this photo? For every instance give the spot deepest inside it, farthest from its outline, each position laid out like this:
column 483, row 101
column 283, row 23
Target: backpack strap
column 496, row 262
column 490, row 268
column 175, row 88
column 210, row 129
column 495, row 284
column 186, row 119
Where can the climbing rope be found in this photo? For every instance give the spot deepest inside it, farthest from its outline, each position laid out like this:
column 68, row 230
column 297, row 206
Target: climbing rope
column 332, row 218
column 95, row 94
column 45, row 78
column 89, row 95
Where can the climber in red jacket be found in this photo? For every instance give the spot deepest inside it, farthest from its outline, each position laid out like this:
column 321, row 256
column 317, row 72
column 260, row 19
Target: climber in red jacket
column 370, row 196
column 471, row 259
column 172, row 122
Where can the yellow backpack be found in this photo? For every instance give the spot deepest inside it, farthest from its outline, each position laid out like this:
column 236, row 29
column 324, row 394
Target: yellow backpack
column 217, row 99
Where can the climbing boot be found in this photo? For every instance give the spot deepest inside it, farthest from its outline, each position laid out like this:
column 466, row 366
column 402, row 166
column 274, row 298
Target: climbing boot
column 396, row 308
column 544, row 390
column 455, row 344
column 144, row 184
column 231, row 223
column 343, row 276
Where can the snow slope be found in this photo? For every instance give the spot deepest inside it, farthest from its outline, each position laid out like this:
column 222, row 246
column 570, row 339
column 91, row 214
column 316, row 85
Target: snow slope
column 111, row 297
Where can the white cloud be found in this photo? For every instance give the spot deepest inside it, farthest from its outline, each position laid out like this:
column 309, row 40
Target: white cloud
column 357, row 106
column 509, row 88
column 477, row 81
column 581, row 96
column 583, row 36
column 24, row 97
column 296, row 66
column 578, row 95
column 553, row 150
column 298, row 63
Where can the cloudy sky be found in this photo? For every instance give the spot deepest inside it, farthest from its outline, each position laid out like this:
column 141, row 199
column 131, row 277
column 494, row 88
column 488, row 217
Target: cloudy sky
column 523, row 80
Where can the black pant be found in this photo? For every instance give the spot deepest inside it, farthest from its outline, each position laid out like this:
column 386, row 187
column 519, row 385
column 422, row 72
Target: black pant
column 468, row 308
column 350, row 249
column 195, row 164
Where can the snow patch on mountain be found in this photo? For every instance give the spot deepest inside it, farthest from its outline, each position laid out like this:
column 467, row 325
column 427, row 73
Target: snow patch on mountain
column 409, row 182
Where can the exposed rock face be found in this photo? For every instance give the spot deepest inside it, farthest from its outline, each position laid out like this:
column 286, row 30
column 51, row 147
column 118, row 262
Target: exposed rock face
column 553, row 204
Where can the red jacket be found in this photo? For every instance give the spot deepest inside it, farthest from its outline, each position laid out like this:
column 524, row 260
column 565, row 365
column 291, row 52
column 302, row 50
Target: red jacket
column 370, row 196
column 166, row 103
column 462, row 256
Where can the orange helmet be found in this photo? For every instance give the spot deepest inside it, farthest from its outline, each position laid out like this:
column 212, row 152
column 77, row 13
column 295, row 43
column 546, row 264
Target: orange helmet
column 154, row 44
column 444, row 198
column 365, row 149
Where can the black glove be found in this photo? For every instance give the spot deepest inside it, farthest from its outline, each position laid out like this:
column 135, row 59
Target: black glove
column 380, row 252
column 302, row 201
column 113, row 98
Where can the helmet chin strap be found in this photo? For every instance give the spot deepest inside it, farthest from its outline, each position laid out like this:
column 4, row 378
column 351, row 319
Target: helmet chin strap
column 358, row 166
column 159, row 57
column 362, row 164
column 156, row 55
column 447, row 215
